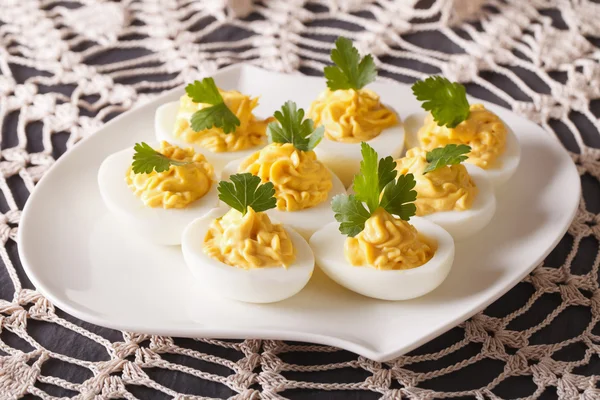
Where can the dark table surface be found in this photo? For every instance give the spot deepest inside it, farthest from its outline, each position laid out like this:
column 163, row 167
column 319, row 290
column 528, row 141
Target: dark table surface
column 566, row 341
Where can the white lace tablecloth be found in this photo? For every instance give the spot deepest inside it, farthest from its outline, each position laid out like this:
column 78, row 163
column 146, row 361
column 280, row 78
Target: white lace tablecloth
column 67, row 67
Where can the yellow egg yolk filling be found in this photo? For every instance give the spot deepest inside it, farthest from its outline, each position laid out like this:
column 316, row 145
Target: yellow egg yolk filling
column 388, row 243
column 483, row 130
column 444, row 189
column 179, row 185
column 301, row 181
column 351, row 116
column 248, row 241
column 250, row 133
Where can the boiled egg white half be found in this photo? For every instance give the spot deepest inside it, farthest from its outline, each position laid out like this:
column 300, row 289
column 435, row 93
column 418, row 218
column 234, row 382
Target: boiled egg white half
column 344, row 158
column 164, row 123
column 307, row 221
column 155, row 224
column 256, row 285
column 508, row 161
column 465, row 223
column 328, row 248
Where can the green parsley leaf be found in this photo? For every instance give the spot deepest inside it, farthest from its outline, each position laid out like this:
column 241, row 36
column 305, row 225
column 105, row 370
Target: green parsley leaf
column 146, row 160
column 349, row 71
column 447, row 101
column 350, row 213
column 373, row 177
column 448, row 155
column 293, row 129
column 386, row 171
column 245, row 191
column 218, row 115
column 204, row 91
column 398, row 197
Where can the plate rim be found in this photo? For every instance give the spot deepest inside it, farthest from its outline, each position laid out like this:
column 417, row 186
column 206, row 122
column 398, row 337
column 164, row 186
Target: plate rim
column 270, row 333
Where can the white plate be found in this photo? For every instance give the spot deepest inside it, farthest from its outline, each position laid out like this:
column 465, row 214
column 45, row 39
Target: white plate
column 77, row 255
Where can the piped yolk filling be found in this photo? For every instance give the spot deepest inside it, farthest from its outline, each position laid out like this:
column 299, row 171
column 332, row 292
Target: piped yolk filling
column 248, row 241
column 388, row 243
column 444, row 189
column 177, row 187
column 301, row 181
column 483, row 130
column 351, row 116
column 250, row 133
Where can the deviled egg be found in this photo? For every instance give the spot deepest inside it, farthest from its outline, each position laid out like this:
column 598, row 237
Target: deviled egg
column 458, row 197
column 157, row 190
column 230, row 132
column 494, row 146
column 352, row 114
column 240, row 253
column 304, row 186
column 384, row 256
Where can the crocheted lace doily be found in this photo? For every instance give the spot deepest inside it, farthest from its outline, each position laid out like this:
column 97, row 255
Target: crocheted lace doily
column 69, row 66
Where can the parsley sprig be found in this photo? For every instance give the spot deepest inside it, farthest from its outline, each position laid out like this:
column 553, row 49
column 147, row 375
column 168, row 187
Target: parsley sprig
column 245, row 191
column 293, row 128
column 450, row 154
column 146, row 160
column 218, row 115
column 447, row 101
column 349, row 71
column 374, row 178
